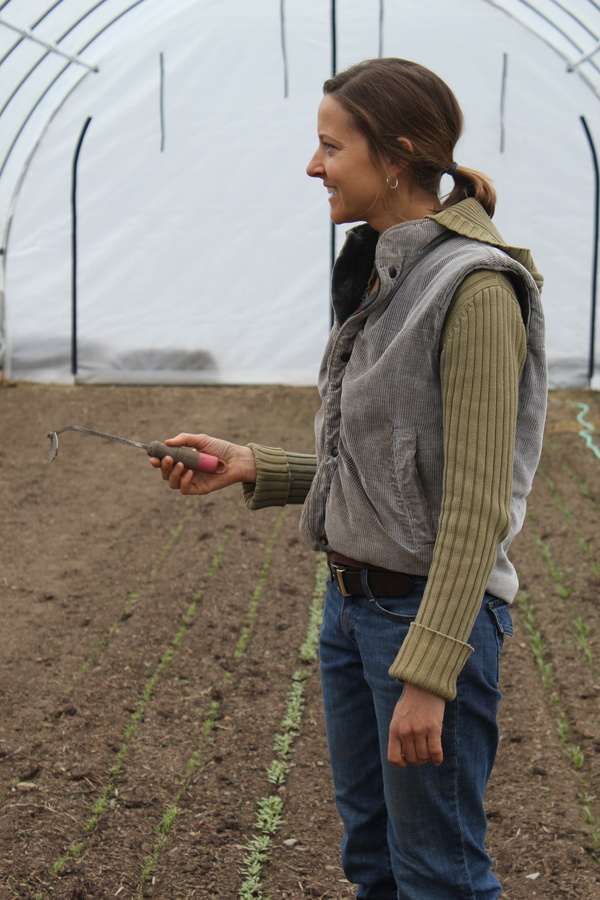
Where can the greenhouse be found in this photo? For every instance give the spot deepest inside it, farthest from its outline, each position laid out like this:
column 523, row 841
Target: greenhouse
column 157, row 222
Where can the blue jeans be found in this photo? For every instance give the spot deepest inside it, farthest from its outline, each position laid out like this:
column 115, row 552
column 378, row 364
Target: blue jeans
column 415, row 833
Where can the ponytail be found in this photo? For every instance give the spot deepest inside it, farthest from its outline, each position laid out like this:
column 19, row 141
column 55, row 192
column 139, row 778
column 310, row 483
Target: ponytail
column 470, row 183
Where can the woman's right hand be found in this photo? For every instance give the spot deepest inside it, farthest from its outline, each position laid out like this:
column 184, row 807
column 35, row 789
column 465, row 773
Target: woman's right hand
column 240, row 465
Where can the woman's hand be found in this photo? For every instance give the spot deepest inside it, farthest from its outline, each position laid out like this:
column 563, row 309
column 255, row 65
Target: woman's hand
column 416, row 728
column 240, row 465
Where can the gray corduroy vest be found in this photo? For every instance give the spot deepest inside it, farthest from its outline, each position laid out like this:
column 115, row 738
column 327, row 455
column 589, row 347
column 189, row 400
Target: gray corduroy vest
column 377, row 492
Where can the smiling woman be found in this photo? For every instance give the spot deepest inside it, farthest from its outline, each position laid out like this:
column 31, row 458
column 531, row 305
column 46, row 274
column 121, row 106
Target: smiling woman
column 358, row 185
column 433, row 388
column 357, row 149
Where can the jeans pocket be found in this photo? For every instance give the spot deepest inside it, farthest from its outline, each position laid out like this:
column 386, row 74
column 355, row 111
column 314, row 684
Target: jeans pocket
column 400, row 609
column 499, row 611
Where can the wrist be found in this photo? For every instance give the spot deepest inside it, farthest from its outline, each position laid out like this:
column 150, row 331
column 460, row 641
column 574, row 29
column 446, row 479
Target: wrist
column 413, row 690
column 247, row 464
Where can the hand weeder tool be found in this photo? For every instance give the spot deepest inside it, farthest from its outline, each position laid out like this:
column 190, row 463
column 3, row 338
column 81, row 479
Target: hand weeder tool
column 192, row 459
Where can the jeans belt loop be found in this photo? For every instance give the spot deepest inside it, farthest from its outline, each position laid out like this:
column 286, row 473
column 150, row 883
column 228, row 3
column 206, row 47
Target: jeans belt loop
column 338, row 572
column 364, row 580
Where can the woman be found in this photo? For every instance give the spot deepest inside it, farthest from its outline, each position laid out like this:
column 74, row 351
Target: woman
column 433, row 401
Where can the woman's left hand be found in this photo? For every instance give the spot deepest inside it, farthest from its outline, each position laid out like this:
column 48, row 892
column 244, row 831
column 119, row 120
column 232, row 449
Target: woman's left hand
column 416, row 728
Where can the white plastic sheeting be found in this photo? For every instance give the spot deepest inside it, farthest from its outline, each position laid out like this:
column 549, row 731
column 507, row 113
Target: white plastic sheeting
column 203, row 250
column 570, row 27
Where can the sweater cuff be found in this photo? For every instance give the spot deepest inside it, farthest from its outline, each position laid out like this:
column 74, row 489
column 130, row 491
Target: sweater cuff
column 282, row 478
column 273, row 478
column 302, row 468
column 430, row 660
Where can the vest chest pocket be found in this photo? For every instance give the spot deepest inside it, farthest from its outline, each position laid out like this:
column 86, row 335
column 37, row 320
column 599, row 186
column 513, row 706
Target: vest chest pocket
column 414, row 516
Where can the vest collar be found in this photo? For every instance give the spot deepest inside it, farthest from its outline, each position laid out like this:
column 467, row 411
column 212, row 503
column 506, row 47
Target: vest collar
column 390, row 253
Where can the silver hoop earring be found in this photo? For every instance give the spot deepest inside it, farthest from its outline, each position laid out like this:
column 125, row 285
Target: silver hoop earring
column 393, row 186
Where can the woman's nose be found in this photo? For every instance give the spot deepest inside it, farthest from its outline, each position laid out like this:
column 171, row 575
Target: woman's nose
column 315, row 167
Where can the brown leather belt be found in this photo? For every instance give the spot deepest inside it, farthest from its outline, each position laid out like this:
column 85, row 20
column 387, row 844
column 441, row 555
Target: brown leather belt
column 382, row 582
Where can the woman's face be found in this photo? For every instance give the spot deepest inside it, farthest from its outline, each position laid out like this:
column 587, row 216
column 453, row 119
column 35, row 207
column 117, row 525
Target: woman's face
column 356, row 186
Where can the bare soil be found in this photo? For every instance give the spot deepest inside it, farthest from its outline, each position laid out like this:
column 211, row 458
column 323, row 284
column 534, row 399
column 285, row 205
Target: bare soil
column 149, row 644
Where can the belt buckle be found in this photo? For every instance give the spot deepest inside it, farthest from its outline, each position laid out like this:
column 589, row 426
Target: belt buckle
column 338, row 572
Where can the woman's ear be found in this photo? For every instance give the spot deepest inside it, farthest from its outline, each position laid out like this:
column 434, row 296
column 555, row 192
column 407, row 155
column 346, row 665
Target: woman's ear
column 406, row 144
column 399, row 168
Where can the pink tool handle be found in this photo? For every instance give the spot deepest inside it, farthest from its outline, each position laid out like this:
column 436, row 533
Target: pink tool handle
column 211, row 464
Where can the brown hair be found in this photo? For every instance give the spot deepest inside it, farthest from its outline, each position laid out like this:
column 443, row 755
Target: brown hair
column 395, row 98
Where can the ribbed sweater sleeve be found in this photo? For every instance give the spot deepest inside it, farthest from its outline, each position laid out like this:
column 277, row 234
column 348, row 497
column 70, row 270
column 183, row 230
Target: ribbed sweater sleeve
column 482, row 356
column 282, row 477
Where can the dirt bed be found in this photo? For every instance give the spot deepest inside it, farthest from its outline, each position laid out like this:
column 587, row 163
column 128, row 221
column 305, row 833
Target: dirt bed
column 161, row 732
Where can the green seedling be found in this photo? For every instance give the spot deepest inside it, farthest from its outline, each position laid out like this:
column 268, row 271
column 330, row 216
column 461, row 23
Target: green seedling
column 570, row 519
column 59, row 865
column 253, row 607
column 535, row 639
column 562, row 726
column 213, row 712
column 567, row 515
column 269, row 813
column 583, row 634
column 308, row 650
column 559, row 578
column 134, row 596
column 167, row 820
column 163, row 829
column 575, row 477
column 590, row 818
column 170, row 815
column 538, row 647
column 582, row 630
column 277, row 772
column 268, row 820
column 147, row 694
column 577, row 757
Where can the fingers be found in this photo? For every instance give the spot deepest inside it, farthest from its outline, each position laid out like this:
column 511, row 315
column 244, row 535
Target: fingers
column 419, row 751
column 396, row 753
column 179, row 478
column 176, row 474
column 170, row 471
column 414, row 752
column 184, row 480
column 185, row 440
column 436, row 754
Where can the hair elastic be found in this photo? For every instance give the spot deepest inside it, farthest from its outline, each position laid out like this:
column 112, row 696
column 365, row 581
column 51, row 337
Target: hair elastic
column 452, row 169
